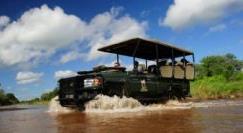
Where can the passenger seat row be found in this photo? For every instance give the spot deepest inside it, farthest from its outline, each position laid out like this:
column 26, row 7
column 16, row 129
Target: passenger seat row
column 180, row 71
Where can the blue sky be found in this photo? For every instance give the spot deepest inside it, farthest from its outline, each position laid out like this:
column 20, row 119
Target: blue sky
column 41, row 41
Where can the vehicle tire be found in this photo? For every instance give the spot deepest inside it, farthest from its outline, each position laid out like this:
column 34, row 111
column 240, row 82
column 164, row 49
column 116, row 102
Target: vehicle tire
column 178, row 92
column 120, row 90
column 175, row 92
column 81, row 107
column 114, row 91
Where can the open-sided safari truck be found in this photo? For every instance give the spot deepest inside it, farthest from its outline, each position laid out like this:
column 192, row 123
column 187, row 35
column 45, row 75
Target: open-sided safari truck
column 168, row 78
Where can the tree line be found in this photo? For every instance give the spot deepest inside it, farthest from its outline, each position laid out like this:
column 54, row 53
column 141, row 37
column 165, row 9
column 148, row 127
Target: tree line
column 10, row 98
column 7, row 98
column 226, row 65
column 45, row 97
column 218, row 76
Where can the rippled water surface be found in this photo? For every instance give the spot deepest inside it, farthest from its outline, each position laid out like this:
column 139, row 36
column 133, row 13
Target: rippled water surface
column 222, row 116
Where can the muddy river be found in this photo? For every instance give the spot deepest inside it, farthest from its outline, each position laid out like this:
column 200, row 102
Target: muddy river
column 222, row 116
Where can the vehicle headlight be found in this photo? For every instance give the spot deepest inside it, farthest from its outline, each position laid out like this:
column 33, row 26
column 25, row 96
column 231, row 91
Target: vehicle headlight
column 93, row 82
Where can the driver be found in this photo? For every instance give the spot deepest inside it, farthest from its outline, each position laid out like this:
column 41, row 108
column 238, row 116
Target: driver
column 135, row 66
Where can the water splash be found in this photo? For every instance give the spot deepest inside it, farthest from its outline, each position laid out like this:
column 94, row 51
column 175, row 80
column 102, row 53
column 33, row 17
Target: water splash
column 103, row 102
column 55, row 107
column 108, row 104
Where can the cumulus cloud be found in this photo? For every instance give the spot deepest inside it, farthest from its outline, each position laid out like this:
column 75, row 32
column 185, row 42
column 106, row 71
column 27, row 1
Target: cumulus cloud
column 109, row 27
column 217, row 28
column 27, row 77
column 184, row 13
column 4, row 20
column 72, row 55
column 64, row 74
column 38, row 33
column 41, row 32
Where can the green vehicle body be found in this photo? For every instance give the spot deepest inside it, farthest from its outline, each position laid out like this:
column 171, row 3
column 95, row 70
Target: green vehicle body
column 148, row 86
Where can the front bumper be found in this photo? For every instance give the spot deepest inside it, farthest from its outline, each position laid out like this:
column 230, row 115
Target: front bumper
column 78, row 98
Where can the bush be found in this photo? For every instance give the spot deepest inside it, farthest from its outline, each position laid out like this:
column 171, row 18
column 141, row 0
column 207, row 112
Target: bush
column 7, row 99
column 49, row 95
column 237, row 76
column 44, row 98
column 226, row 65
column 217, row 87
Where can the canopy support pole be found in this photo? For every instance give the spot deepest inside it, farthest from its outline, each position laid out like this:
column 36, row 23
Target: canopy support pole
column 146, row 64
column 157, row 58
column 117, row 58
column 133, row 62
column 173, row 63
column 134, row 52
column 184, row 65
column 157, row 55
column 193, row 58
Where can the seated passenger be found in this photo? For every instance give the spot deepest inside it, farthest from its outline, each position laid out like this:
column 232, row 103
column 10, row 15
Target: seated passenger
column 171, row 62
column 162, row 63
column 135, row 66
column 152, row 69
column 183, row 60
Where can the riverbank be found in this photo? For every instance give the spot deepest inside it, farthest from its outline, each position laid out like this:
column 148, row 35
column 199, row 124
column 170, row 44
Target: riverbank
column 34, row 103
column 217, row 87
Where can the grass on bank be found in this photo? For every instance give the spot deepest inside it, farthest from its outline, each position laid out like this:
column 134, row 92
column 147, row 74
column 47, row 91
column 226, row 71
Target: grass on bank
column 216, row 87
column 45, row 98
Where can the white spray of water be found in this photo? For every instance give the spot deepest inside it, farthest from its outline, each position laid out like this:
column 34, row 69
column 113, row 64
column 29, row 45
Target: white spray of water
column 55, row 107
column 106, row 104
column 102, row 102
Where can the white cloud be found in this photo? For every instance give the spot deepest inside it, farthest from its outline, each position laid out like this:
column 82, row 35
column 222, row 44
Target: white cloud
column 70, row 56
column 217, row 28
column 108, row 28
column 64, row 74
column 184, row 13
column 38, row 33
column 27, row 77
column 41, row 32
column 4, row 20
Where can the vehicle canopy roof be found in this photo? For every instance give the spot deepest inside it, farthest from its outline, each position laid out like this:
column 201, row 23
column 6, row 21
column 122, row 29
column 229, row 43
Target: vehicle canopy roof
column 145, row 49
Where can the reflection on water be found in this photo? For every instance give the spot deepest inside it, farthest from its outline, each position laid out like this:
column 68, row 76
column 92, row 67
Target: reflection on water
column 169, row 121
column 31, row 119
column 213, row 116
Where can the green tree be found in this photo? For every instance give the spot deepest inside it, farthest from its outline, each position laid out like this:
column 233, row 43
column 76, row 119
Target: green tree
column 7, row 99
column 49, row 95
column 11, row 98
column 226, row 65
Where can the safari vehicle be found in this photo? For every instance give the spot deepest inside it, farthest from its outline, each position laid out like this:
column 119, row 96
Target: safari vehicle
column 168, row 78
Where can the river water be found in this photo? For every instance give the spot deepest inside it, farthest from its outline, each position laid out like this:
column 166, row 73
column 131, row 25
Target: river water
column 126, row 115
